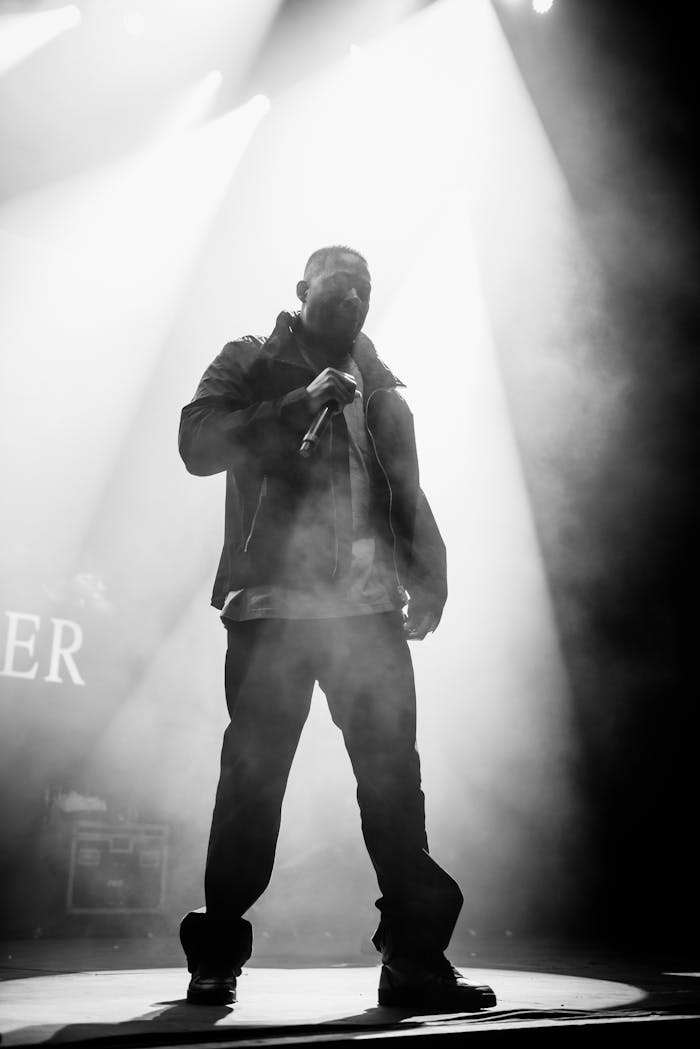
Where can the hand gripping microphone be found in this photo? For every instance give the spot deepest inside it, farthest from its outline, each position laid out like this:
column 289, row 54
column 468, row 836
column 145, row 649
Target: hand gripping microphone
column 313, row 435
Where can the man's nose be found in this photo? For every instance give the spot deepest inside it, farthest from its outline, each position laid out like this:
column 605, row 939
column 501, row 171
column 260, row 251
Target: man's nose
column 352, row 295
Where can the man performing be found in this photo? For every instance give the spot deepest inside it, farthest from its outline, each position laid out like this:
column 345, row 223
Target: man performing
column 328, row 538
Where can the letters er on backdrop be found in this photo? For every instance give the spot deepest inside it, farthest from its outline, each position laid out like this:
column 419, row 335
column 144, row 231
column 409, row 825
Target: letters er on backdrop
column 332, row 561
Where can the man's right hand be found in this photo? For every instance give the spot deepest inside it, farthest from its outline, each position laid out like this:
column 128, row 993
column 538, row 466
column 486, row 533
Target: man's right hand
column 331, row 385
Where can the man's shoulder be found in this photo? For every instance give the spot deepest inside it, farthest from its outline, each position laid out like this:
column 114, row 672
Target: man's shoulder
column 376, row 373
column 250, row 345
column 240, row 354
column 235, row 364
column 246, row 344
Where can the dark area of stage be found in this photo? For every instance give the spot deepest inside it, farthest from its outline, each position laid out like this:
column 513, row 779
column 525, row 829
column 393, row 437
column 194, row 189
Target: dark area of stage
column 626, row 138
column 613, row 85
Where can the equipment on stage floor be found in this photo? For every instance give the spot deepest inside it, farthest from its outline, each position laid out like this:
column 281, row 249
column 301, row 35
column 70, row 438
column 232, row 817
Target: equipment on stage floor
column 117, row 868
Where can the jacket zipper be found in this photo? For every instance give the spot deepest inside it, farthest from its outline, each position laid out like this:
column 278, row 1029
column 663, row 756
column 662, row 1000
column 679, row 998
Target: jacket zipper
column 391, row 493
column 263, row 490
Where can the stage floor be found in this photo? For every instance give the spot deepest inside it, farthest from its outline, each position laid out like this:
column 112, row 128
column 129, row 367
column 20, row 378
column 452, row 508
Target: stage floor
column 133, row 992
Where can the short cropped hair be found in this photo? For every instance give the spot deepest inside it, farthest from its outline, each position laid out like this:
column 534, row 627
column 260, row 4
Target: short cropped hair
column 317, row 260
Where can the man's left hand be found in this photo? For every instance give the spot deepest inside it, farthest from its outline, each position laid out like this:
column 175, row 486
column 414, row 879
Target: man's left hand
column 418, row 623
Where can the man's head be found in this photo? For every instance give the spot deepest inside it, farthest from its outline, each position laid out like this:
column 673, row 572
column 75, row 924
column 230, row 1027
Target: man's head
column 334, row 296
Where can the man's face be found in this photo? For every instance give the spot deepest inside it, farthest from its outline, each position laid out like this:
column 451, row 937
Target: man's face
column 335, row 300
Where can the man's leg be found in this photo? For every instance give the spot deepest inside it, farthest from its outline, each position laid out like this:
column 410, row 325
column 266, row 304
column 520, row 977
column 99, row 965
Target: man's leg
column 368, row 680
column 269, row 681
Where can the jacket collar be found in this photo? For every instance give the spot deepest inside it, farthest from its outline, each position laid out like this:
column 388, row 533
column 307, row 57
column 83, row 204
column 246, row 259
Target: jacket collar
column 282, row 346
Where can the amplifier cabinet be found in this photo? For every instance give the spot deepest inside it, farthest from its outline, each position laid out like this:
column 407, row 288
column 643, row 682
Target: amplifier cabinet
column 117, row 868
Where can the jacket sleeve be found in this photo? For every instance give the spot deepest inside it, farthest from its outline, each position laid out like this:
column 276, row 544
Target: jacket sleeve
column 427, row 583
column 226, row 420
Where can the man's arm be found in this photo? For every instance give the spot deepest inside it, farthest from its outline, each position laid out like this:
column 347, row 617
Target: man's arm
column 427, row 583
column 227, row 418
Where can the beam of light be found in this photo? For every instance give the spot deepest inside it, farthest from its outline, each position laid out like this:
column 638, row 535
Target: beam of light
column 540, row 7
column 134, row 23
column 435, row 210
column 461, row 125
column 111, row 251
column 192, row 106
column 467, row 264
column 22, row 35
column 158, row 42
column 92, row 278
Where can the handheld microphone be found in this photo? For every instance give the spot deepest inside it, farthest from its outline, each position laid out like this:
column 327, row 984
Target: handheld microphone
column 313, row 435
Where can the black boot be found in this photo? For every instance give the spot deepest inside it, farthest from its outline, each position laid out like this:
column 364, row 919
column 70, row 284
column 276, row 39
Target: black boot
column 213, row 984
column 214, row 962
column 430, row 985
column 416, row 975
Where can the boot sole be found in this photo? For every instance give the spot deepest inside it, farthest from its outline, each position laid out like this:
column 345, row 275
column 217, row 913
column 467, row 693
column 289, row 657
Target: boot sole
column 213, row 997
column 415, row 998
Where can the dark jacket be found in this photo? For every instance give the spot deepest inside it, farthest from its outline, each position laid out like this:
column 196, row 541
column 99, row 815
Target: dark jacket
column 248, row 417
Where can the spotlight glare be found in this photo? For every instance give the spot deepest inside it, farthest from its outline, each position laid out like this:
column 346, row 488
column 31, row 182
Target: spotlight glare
column 23, row 34
column 358, row 58
column 71, row 15
column 541, row 7
column 259, row 104
column 134, row 23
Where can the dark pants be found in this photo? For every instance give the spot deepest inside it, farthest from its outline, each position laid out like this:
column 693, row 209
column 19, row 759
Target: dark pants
column 363, row 665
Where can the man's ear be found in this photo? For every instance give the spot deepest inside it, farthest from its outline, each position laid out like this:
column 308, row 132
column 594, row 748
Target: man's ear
column 302, row 290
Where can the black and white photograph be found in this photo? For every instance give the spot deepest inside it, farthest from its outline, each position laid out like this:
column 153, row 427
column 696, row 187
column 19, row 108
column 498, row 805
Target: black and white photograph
column 349, row 570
